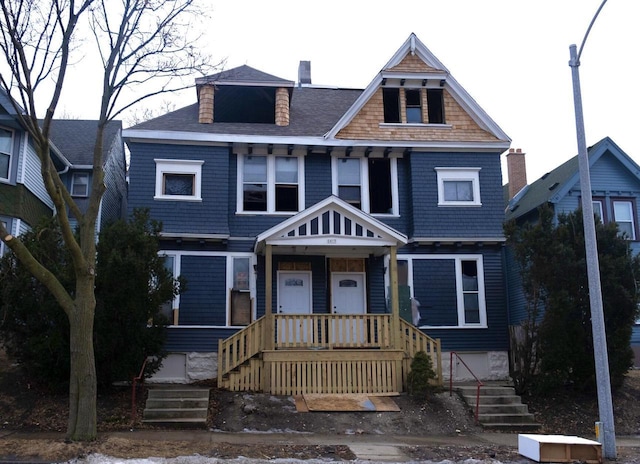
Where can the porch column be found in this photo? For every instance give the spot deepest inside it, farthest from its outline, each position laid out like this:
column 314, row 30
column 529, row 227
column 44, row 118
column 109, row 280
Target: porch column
column 395, row 305
column 268, row 292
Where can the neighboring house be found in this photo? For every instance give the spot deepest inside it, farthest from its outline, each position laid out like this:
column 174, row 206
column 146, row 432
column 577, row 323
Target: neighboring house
column 308, row 217
column 615, row 188
column 23, row 197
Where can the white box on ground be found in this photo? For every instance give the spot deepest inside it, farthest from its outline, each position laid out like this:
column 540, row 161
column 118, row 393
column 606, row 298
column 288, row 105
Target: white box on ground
column 559, row 448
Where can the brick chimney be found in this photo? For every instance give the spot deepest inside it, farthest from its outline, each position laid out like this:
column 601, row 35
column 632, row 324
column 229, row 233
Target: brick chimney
column 516, row 170
column 282, row 107
column 205, row 110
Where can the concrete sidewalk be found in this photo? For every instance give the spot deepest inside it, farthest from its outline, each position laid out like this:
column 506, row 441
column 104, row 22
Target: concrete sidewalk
column 365, row 447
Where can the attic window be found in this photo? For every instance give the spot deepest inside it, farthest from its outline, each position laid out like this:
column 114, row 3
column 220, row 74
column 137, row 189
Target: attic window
column 414, row 107
column 391, row 103
column 435, row 106
column 245, row 104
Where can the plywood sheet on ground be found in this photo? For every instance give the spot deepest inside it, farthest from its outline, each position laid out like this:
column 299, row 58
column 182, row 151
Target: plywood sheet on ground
column 345, row 402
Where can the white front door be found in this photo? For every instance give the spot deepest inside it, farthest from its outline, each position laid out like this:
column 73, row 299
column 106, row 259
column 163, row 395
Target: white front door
column 294, row 298
column 348, row 293
column 348, row 296
column 294, row 292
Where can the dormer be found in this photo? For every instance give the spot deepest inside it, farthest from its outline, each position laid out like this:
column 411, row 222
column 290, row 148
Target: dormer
column 244, row 95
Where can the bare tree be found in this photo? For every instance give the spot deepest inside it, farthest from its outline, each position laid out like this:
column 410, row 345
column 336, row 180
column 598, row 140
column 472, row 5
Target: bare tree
column 144, row 45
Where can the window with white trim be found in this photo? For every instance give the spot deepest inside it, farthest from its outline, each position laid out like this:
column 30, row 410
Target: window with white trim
column 270, row 184
column 6, row 149
column 370, row 184
column 598, row 210
column 178, row 179
column 2, row 245
column 623, row 215
column 458, row 186
column 448, row 289
column 80, row 184
column 240, row 310
column 169, row 309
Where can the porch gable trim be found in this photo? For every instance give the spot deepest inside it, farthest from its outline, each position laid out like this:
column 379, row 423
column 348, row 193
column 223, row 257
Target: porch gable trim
column 331, row 221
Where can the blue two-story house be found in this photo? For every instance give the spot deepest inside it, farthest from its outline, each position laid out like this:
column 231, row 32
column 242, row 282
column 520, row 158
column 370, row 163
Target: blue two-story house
column 326, row 234
column 615, row 189
column 23, row 197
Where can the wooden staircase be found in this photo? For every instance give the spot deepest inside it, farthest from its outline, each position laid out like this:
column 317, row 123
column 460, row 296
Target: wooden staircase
column 499, row 408
column 177, row 405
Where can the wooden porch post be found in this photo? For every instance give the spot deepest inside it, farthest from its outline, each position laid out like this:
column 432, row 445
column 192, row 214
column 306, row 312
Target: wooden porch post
column 268, row 292
column 395, row 305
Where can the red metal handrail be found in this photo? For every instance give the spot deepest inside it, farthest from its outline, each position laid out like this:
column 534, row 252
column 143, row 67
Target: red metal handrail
column 134, row 383
column 480, row 384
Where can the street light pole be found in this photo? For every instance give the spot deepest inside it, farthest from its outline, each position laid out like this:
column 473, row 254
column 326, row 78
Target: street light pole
column 603, row 382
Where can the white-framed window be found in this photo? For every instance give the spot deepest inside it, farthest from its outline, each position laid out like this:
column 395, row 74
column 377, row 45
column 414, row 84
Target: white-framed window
column 370, row 184
column 80, row 184
column 170, row 309
column 270, row 184
column 3, row 248
column 178, row 179
column 467, row 271
column 624, row 217
column 598, row 210
column 6, row 149
column 458, row 186
column 240, row 301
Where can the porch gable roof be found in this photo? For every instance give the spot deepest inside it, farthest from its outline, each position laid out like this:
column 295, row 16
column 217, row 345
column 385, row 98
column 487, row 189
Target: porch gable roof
column 330, row 223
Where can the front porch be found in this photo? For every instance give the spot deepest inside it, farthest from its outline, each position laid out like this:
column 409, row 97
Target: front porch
column 324, row 353
column 347, row 346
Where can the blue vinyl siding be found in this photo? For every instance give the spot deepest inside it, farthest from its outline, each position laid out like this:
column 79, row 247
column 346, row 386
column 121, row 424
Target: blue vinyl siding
column 207, row 216
column 205, row 300
column 429, row 219
column 317, row 171
column 185, row 339
column 516, row 298
column 434, row 282
column 434, row 287
column 377, row 303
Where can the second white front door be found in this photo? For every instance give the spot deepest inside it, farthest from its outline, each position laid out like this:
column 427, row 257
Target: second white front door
column 348, row 293
column 294, row 298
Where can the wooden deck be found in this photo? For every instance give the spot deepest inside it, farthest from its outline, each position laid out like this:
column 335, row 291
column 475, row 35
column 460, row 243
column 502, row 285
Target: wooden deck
column 324, row 353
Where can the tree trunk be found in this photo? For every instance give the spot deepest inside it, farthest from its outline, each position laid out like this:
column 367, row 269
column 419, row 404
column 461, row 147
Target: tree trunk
column 82, row 382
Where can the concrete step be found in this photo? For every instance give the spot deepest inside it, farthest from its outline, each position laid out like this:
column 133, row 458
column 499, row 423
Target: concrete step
column 174, row 403
column 506, row 418
column 177, row 405
column 486, row 390
column 502, row 408
column 507, row 399
column 512, row 427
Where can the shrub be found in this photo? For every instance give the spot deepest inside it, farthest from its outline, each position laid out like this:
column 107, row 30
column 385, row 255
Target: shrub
column 421, row 375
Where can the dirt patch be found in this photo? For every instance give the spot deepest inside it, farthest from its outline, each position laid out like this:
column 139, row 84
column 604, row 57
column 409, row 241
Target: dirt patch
column 25, row 407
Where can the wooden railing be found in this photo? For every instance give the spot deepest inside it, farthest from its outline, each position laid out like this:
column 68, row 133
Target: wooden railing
column 414, row 340
column 240, row 347
column 328, row 331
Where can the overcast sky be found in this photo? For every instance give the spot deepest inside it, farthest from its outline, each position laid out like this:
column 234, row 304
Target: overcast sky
column 510, row 55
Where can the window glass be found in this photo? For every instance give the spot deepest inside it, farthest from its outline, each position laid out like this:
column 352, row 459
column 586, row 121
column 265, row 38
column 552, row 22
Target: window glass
column 470, row 292
column 349, row 188
column 380, row 195
column 597, row 210
column 80, row 184
column 435, row 106
column 6, row 139
column 240, row 293
column 623, row 214
column 414, row 107
column 178, row 184
column 459, row 190
column 4, row 166
column 391, row 104
column 2, row 247
column 166, row 309
column 255, row 183
column 286, row 184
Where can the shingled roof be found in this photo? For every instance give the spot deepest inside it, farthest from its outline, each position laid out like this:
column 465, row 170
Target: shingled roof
column 244, row 75
column 314, row 111
column 557, row 181
column 75, row 138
